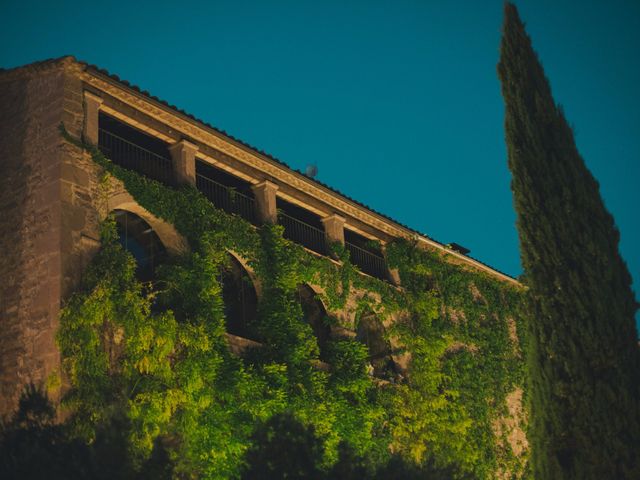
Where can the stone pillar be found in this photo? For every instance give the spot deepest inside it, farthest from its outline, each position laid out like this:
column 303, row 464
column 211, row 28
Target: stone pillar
column 265, row 193
column 92, row 104
column 392, row 273
column 183, row 156
column 334, row 228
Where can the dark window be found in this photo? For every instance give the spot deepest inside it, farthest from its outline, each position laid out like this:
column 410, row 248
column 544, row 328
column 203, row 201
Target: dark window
column 130, row 148
column 137, row 237
column 301, row 226
column 365, row 254
column 225, row 191
column 223, row 178
column 240, row 300
column 315, row 315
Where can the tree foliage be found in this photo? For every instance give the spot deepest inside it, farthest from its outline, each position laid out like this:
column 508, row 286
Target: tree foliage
column 33, row 446
column 584, row 360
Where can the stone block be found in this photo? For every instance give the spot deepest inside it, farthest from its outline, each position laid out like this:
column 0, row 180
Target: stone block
column 265, row 195
column 74, row 217
column 92, row 104
column 74, row 174
column 334, row 228
column 66, row 192
column 183, row 156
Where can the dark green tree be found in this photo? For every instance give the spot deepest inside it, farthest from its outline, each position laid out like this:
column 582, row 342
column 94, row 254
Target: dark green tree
column 584, row 361
column 34, row 446
column 284, row 448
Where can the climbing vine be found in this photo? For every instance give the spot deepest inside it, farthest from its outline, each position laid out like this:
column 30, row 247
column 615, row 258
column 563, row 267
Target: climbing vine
column 463, row 331
column 156, row 359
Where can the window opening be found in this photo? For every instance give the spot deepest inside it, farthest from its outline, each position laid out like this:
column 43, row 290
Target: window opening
column 240, row 299
column 138, row 238
column 132, row 149
column 365, row 254
column 225, row 191
column 314, row 315
column 302, row 226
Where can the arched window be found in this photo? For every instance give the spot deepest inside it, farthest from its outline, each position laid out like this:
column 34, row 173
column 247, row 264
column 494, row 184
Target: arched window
column 141, row 241
column 315, row 315
column 371, row 332
column 240, row 299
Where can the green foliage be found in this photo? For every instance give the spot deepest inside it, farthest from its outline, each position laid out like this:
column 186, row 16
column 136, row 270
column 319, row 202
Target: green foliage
column 463, row 363
column 284, row 433
column 156, row 357
column 584, row 360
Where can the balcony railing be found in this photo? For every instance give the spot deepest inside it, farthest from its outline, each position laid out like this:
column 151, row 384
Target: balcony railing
column 129, row 155
column 311, row 237
column 158, row 167
column 368, row 262
column 227, row 198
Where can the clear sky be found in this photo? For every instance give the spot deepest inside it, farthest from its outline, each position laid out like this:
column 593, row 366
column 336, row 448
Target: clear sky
column 397, row 102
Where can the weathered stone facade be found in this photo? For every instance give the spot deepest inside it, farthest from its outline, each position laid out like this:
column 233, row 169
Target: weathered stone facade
column 51, row 201
column 40, row 218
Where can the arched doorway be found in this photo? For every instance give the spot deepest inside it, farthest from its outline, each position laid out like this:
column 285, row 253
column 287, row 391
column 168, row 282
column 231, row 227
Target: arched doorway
column 138, row 238
column 314, row 315
column 240, row 299
column 371, row 332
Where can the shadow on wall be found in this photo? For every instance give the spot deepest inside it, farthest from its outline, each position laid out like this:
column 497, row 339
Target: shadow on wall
column 17, row 166
column 371, row 332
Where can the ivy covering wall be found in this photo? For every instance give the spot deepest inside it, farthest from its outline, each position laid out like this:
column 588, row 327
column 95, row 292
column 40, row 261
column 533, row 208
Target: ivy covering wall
column 155, row 358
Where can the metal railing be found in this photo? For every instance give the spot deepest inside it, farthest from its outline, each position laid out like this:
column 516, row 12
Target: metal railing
column 129, row 155
column 134, row 157
column 368, row 262
column 311, row 237
column 227, row 198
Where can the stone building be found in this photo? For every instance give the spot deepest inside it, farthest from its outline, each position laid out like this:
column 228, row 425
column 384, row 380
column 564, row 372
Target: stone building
column 51, row 207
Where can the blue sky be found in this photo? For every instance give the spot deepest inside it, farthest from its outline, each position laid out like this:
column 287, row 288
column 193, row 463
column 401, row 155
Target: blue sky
column 397, row 103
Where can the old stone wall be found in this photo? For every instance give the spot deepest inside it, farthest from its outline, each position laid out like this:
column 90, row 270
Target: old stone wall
column 83, row 202
column 35, row 255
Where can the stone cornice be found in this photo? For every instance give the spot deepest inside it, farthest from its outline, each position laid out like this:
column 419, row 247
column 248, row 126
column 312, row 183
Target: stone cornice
column 196, row 131
column 216, row 140
column 184, row 144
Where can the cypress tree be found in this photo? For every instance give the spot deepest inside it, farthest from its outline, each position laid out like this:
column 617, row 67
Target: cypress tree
column 584, row 361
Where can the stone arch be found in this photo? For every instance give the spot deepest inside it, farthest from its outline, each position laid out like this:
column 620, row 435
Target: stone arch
column 175, row 243
column 315, row 315
column 240, row 298
column 138, row 238
column 370, row 331
column 257, row 284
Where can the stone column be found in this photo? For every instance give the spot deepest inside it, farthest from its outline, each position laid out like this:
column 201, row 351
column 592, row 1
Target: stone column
column 265, row 193
column 183, row 156
column 334, row 228
column 92, row 104
column 392, row 273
